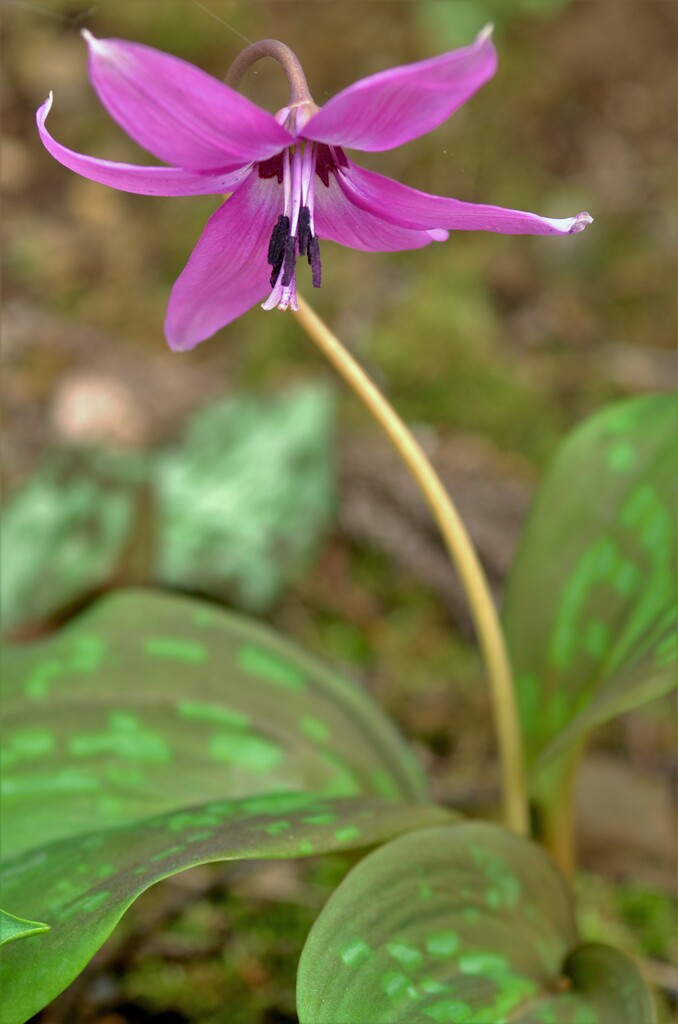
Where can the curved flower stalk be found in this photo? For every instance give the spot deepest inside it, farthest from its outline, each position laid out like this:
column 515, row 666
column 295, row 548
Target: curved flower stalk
column 291, row 181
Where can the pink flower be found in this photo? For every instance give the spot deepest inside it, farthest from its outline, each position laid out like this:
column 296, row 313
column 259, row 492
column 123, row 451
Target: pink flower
column 290, row 180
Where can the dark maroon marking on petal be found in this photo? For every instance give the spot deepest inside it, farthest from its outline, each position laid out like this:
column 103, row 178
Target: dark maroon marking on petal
column 304, row 229
column 314, row 260
column 324, row 164
column 272, row 168
column 339, row 156
column 290, row 262
column 276, row 246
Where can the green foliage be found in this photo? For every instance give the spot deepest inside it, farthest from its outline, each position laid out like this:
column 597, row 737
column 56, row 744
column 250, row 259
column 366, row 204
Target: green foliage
column 246, row 496
column 455, row 23
column 75, row 527
column 83, row 884
column 235, row 510
column 13, row 928
column 155, row 733
column 148, row 703
column 461, row 924
column 591, row 602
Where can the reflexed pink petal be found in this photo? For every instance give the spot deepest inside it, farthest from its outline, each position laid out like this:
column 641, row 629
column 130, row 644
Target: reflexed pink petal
column 145, row 181
column 177, row 112
column 392, row 107
column 228, row 271
column 410, row 208
column 338, row 219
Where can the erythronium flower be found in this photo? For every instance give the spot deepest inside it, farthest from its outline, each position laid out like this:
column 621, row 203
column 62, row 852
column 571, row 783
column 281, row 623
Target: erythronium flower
column 290, row 180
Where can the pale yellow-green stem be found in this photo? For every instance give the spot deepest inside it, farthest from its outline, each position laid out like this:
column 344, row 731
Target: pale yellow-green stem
column 463, row 555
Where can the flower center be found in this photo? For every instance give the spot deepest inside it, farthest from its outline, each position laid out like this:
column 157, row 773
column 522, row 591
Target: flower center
column 294, row 231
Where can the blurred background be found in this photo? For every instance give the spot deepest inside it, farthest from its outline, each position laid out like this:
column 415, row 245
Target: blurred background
column 491, row 347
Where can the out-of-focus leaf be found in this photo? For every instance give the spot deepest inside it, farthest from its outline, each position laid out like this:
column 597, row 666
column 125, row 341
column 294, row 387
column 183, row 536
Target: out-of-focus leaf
column 461, row 924
column 147, row 703
column 84, row 884
column 235, row 511
column 13, row 928
column 75, row 528
column 246, row 497
column 591, row 602
column 453, row 24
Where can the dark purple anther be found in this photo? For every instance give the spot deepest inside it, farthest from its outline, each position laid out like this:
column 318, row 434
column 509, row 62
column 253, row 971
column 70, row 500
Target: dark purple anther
column 314, row 260
column 276, row 246
column 304, row 229
column 290, row 260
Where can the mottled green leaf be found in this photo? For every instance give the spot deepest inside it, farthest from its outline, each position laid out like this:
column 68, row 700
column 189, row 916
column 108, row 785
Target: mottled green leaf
column 590, row 609
column 461, row 924
column 83, row 884
column 150, row 702
column 13, row 928
column 246, row 496
column 73, row 529
column 235, row 510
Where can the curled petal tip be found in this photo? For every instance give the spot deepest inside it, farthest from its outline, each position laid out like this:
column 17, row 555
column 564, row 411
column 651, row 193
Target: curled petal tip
column 486, row 32
column 579, row 222
column 88, row 37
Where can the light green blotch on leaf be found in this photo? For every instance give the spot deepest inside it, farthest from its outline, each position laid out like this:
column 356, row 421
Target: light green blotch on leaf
column 425, row 891
column 276, row 803
column 597, row 564
column 253, row 753
column 326, row 818
column 315, row 729
column 621, row 457
column 432, row 987
column 199, row 837
column 66, row 780
column 85, row 905
column 200, row 711
column 125, row 738
column 470, row 914
column 355, row 952
column 395, row 985
column 305, row 848
column 176, row 650
column 261, row 664
column 442, row 944
column 26, row 744
column 489, row 964
column 276, row 827
column 448, row 1011
column 405, row 954
column 164, row 854
column 347, row 834
column 505, row 888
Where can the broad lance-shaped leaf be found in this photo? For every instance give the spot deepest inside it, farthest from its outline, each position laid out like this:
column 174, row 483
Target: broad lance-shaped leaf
column 148, row 703
column 591, row 601
column 13, row 928
column 461, row 924
column 82, row 885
